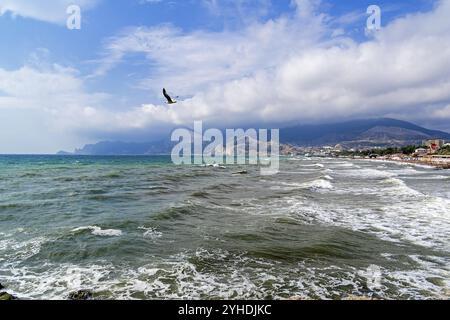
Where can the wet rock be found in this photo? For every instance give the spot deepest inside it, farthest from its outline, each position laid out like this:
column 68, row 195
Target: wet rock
column 81, row 295
column 5, row 296
column 1, row 286
column 241, row 172
column 437, row 281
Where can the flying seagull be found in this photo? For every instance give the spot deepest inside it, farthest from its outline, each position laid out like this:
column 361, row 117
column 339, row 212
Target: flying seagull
column 169, row 99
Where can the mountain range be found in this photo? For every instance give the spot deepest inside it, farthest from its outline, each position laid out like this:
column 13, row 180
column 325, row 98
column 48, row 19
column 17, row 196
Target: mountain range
column 382, row 132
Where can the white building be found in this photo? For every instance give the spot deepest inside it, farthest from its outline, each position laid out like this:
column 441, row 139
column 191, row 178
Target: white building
column 421, row 152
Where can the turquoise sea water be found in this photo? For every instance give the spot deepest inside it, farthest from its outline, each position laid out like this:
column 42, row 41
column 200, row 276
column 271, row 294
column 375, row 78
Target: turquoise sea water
column 142, row 228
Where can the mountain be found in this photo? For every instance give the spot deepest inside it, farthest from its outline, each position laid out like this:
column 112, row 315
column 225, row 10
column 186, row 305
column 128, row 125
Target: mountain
column 109, row 148
column 382, row 132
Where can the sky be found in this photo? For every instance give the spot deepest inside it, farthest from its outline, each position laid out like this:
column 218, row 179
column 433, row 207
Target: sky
column 233, row 63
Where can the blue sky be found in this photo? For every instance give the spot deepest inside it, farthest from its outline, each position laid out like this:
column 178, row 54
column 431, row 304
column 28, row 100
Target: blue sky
column 233, row 63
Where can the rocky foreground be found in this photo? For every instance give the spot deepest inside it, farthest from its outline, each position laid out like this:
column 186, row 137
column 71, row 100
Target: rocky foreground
column 78, row 295
column 5, row 296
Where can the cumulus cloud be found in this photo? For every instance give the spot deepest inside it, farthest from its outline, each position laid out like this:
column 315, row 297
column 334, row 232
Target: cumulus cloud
column 294, row 68
column 53, row 11
column 43, row 105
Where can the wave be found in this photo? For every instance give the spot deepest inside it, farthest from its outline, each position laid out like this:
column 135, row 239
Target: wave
column 180, row 176
column 221, row 274
column 319, row 184
column 151, row 233
column 316, row 165
column 97, row 231
column 400, row 215
column 174, row 213
column 428, row 177
column 400, row 187
column 345, row 165
column 13, row 250
column 409, row 164
column 367, row 173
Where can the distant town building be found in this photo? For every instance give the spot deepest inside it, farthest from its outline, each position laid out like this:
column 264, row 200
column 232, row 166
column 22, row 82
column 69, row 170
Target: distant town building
column 434, row 145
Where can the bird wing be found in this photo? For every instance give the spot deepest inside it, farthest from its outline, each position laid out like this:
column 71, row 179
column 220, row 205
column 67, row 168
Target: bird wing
column 169, row 99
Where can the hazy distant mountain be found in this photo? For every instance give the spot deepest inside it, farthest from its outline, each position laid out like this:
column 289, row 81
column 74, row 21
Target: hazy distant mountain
column 358, row 133
column 107, row 148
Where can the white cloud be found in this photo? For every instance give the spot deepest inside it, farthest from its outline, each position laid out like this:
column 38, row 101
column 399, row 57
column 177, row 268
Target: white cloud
column 42, row 106
column 213, row 57
column 53, row 11
column 292, row 69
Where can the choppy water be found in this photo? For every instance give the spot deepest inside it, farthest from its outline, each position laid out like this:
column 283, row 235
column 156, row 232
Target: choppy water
column 141, row 228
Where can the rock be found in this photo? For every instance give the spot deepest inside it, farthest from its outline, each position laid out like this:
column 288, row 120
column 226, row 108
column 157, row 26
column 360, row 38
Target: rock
column 5, row 296
column 447, row 292
column 436, row 281
column 1, row 286
column 241, row 172
column 81, row 295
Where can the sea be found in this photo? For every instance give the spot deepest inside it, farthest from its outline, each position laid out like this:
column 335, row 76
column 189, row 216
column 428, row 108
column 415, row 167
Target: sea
column 142, row 228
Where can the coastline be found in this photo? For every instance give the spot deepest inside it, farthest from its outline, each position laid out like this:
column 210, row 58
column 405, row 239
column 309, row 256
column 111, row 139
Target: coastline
column 429, row 163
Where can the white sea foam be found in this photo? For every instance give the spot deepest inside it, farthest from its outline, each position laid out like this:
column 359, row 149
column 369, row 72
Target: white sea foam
column 312, row 166
column 97, row 231
column 151, row 233
column 319, row 184
column 399, row 187
column 345, row 164
column 406, row 171
column 430, row 177
column 235, row 281
column 416, row 218
column 366, row 173
column 11, row 249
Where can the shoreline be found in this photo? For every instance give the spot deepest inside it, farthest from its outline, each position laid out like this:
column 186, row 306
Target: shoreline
column 419, row 163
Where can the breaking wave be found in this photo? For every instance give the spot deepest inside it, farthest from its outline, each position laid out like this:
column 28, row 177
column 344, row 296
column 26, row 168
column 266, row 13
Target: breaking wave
column 97, row 231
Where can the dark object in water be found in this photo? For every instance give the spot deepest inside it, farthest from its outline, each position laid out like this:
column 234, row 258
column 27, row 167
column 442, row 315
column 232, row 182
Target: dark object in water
column 5, row 296
column 241, row 172
column 81, row 295
column 1, row 286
